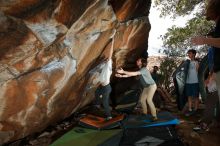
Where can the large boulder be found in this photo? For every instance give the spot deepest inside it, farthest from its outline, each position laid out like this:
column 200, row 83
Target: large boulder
column 48, row 49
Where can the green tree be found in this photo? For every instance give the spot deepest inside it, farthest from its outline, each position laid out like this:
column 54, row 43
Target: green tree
column 167, row 67
column 174, row 8
column 177, row 39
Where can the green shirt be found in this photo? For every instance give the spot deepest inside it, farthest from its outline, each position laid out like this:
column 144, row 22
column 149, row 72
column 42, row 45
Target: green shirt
column 146, row 79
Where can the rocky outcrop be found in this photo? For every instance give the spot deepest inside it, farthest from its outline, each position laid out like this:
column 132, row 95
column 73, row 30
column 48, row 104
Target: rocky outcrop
column 49, row 47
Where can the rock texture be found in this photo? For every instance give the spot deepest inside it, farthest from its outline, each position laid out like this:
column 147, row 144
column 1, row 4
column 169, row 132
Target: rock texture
column 48, row 49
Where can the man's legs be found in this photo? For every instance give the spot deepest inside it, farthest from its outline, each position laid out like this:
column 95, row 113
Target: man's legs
column 217, row 78
column 98, row 96
column 190, row 103
column 196, row 103
column 150, row 95
column 210, row 105
column 147, row 95
column 106, row 90
column 143, row 100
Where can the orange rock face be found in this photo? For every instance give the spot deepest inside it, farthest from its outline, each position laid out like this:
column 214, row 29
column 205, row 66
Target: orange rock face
column 48, row 49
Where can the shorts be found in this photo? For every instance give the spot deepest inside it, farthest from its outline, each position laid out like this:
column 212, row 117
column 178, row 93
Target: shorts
column 192, row 90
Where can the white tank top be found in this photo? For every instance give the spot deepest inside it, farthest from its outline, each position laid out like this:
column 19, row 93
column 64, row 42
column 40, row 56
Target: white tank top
column 192, row 76
column 106, row 73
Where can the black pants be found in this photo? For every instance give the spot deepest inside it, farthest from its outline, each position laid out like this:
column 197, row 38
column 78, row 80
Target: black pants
column 102, row 94
column 211, row 104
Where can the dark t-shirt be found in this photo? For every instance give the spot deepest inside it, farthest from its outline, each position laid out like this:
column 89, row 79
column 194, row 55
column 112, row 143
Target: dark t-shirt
column 156, row 77
column 216, row 57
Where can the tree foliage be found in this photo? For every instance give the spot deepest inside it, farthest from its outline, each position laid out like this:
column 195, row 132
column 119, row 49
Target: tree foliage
column 167, row 67
column 177, row 39
column 176, row 8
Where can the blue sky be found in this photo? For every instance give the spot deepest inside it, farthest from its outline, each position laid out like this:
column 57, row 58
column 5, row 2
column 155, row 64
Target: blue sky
column 159, row 27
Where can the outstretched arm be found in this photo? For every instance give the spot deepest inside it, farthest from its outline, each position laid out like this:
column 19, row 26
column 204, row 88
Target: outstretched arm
column 111, row 50
column 215, row 42
column 112, row 45
column 121, row 75
column 124, row 73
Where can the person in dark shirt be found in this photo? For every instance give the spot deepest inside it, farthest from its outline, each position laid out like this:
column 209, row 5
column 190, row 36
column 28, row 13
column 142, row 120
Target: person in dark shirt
column 160, row 90
column 213, row 13
column 155, row 74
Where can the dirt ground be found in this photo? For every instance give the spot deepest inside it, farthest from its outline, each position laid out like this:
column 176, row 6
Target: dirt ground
column 192, row 138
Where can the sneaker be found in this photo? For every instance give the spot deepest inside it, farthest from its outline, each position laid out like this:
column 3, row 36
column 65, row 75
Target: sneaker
column 189, row 113
column 203, row 127
column 154, row 119
column 137, row 107
column 108, row 118
column 199, row 121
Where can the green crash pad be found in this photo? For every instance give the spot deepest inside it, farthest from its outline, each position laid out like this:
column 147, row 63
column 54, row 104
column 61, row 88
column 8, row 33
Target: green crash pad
column 79, row 136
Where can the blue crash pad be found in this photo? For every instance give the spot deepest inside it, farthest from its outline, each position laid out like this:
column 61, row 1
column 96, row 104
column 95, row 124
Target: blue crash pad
column 164, row 118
